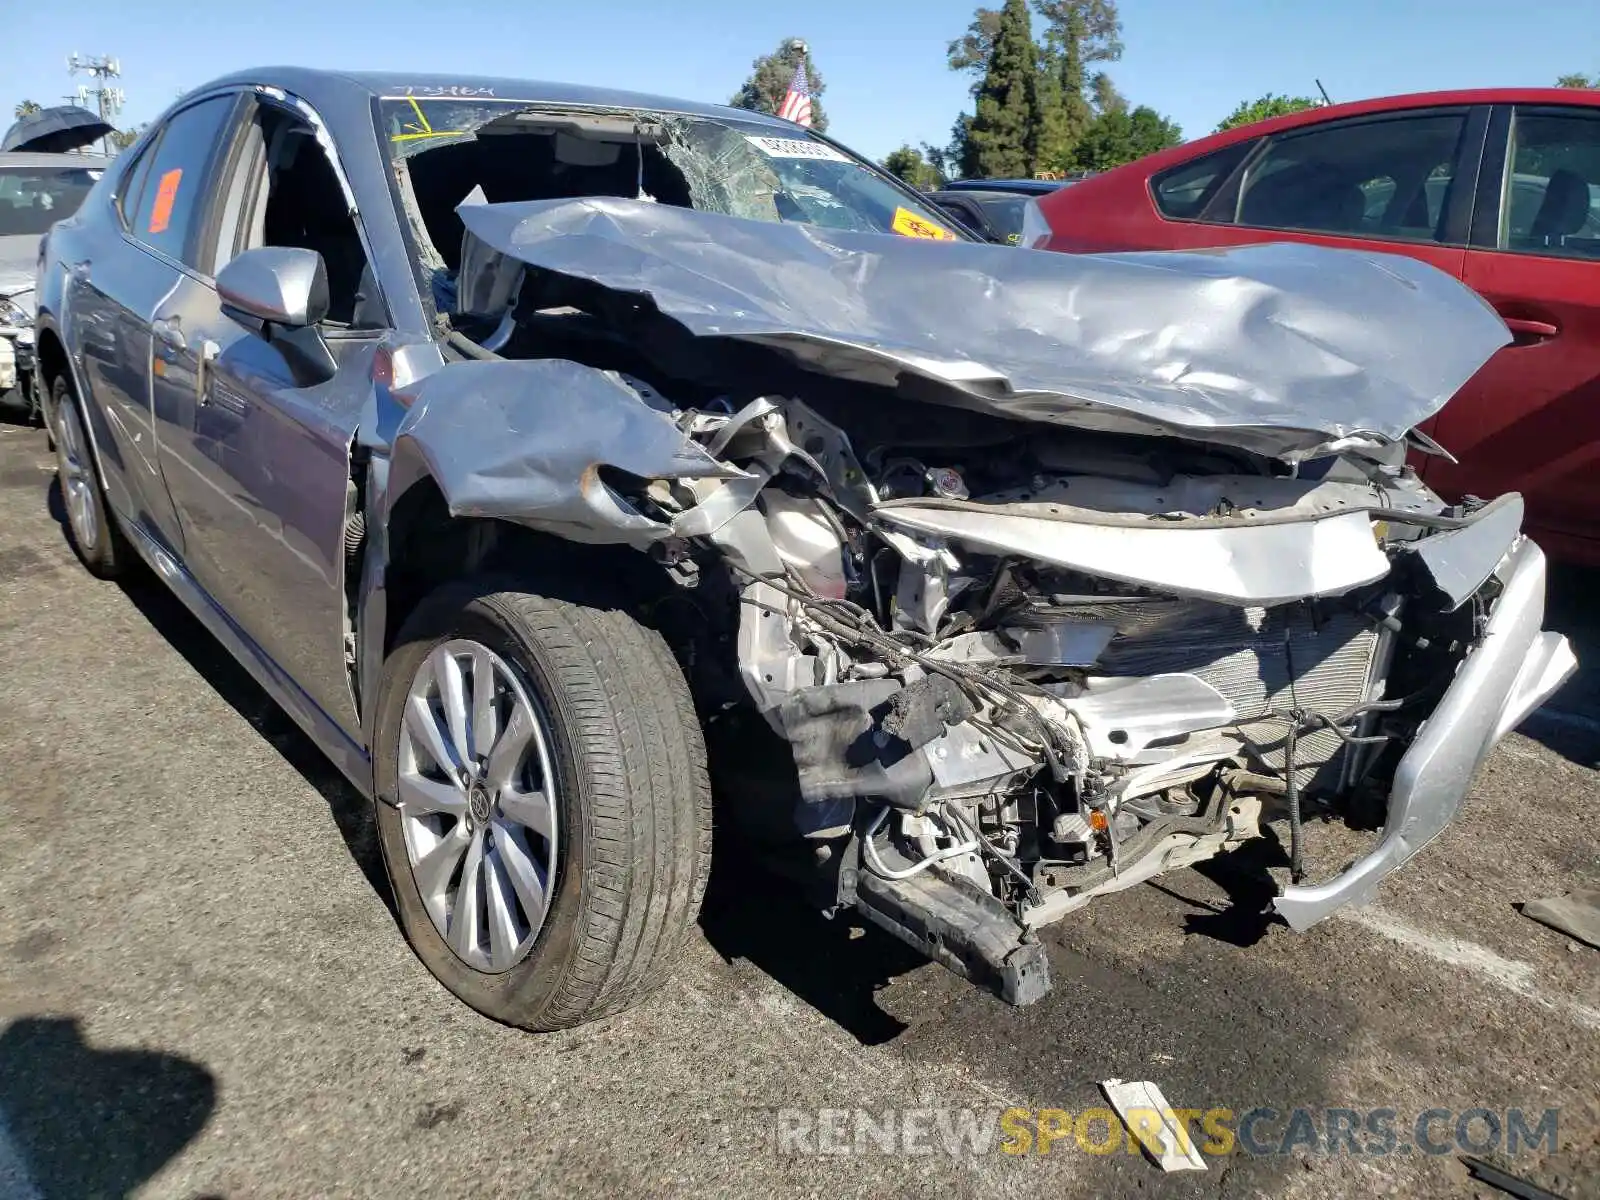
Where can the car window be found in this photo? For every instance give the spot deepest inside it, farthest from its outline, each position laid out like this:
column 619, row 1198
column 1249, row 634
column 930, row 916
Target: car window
column 171, row 201
column 1386, row 178
column 282, row 190
column 1182, row 192
column 1005, row 216
column 1551, row 201
column 34, row 198
column 131, row 186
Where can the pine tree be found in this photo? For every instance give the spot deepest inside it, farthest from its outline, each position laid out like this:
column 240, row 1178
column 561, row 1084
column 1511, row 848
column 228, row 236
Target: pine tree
column 1077, row 34
column 769, row 81
column 1002, row 126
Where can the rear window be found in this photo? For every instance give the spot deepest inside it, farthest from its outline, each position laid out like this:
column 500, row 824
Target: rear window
column 34, row 198
column 1182, row 192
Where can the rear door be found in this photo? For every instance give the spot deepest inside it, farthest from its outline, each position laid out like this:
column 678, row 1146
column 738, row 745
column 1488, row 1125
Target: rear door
column 1530, row 420
column 115, row 287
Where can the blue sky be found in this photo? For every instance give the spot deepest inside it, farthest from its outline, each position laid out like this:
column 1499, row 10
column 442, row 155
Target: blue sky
column 883, row 60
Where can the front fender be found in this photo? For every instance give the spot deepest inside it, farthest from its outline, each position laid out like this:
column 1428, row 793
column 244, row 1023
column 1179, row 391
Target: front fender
column 527, row 442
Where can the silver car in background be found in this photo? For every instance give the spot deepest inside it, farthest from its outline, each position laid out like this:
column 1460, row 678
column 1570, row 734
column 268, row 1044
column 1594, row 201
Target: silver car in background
column 38, row 187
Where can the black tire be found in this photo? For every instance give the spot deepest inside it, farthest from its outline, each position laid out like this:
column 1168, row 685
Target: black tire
column 106, row 552
column 634, row 816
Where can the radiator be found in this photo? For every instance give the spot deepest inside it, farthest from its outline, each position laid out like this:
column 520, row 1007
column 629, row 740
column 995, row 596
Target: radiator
column 1260, row 659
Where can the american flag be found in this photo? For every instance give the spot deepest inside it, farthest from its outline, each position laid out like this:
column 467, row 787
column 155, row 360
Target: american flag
column 796, row 104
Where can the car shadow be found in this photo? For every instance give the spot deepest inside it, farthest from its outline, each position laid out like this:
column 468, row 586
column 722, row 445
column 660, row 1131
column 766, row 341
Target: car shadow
column 836, row 966
column 1243, row 875
column 351, row 811
column 81, row 1121
column 1569, row 722
column 15, row 414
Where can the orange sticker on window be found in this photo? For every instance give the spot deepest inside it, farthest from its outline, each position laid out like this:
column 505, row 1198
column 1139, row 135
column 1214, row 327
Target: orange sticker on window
column 908, row 224
column 166, row 193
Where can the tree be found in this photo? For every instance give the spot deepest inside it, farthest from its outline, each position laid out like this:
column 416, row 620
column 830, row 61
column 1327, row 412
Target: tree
column 970, row 52
column 770, row 77
column 121, row 139
column 1578, row 81
column 954, row 159
column 1106, row 97
column 26, row 108
column 1050, row 140
column 1120, row 136
column 1077, row 33
column 1098, row 28
column 1249, row 112
column 1002, row 129
column 909, row 164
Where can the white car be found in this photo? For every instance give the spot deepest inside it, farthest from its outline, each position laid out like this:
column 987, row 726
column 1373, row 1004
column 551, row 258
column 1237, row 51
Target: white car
column 38, row 187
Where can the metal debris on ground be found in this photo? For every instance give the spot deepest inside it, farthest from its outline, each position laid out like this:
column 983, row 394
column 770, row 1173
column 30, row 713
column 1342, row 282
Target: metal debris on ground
column 1149, row 1118
column 1511, row 1185
column 1577, row 914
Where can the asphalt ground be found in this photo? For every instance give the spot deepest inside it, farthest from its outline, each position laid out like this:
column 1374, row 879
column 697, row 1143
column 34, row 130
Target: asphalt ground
column 203, row 992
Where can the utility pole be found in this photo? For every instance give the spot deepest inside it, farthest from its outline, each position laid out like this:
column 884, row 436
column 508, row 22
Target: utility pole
column 108, row 101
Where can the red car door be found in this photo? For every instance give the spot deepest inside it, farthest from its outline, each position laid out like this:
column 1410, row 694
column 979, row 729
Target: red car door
column 1529, row 421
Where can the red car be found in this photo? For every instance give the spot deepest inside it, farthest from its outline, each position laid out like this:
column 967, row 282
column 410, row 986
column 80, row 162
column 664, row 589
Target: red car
column 1500, row 188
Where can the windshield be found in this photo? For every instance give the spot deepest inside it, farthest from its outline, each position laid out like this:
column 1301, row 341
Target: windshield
column 34, row 198
column 744, row 169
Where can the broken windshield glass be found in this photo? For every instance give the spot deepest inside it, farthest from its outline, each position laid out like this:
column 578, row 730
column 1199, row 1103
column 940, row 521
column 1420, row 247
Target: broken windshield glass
column 739, row 168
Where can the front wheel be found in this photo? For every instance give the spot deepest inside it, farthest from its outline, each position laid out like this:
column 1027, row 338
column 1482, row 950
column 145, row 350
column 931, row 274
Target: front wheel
column 542, row 802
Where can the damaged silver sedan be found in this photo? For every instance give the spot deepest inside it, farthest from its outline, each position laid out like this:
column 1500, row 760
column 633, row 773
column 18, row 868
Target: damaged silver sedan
column 553, row 454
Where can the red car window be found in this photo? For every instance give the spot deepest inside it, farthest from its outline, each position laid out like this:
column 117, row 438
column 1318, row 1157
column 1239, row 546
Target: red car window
column 1551, row 199
column 1385, row 178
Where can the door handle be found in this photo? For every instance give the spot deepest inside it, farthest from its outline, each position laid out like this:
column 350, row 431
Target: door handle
column 208, row 353
column 1530, row 330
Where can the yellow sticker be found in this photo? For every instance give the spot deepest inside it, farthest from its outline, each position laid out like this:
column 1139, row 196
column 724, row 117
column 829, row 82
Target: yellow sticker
column 907, row 224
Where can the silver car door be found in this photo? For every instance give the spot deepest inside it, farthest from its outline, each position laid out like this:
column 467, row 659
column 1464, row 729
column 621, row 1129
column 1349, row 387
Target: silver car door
column 256, row 436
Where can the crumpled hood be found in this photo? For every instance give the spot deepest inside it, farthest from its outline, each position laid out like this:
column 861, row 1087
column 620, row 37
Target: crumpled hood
column 1286, row 349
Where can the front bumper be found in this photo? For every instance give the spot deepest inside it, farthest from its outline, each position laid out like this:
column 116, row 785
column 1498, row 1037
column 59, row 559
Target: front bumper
column 1511, row 672
column 16, row 359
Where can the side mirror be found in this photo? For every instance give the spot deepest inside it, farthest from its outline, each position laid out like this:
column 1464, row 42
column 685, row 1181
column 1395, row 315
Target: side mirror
column 282, row 285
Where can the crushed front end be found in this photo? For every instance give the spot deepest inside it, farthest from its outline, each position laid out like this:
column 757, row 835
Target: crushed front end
column 979, row 640
column 1017, row 677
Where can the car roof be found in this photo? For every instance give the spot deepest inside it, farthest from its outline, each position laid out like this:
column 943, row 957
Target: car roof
column 1386, row 104
column 1382, row 104
column 30, row 158
column 975, row 194
column 1029, row 186
column 335, row 88
column 1376, row 106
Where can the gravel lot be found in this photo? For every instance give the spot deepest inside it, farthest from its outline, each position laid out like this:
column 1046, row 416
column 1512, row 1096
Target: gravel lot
column 203, row 992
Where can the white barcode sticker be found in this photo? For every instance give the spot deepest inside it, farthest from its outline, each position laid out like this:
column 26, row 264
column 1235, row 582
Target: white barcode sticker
column 776, row 147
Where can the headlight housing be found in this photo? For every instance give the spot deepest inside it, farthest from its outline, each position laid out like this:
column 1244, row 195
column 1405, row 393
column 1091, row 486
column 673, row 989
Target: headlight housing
column 12, row 313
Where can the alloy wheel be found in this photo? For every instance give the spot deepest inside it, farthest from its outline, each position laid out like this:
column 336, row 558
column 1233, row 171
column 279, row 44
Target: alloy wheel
column 77, row 476
column 477, row 799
